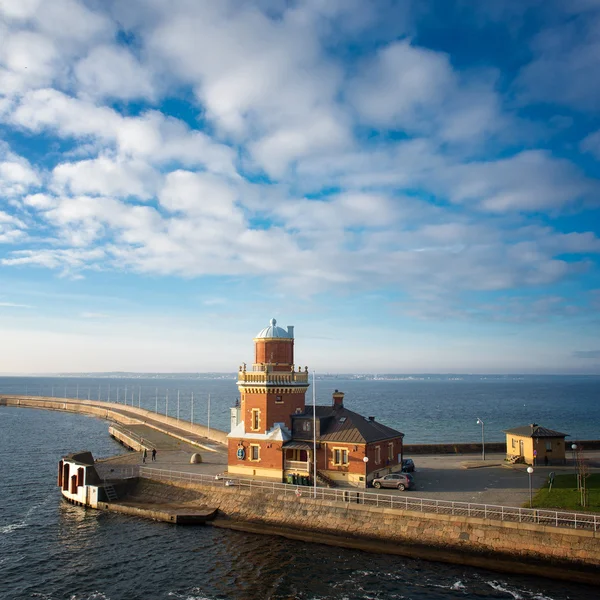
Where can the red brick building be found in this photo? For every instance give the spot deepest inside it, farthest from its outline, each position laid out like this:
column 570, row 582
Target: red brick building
column 273, row 431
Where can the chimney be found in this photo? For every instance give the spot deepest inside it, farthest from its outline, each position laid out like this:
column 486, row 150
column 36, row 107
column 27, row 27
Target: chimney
column 291, row 331
column 338, row 399
column 372, row 419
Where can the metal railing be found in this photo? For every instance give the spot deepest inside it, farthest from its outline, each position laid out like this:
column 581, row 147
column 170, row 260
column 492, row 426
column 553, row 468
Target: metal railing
column 273, row 377
column 551, row 518
column 132, row 435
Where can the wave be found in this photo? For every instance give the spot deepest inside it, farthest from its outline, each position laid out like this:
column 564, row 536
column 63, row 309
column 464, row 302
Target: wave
column 12, row 527
column 518, row 595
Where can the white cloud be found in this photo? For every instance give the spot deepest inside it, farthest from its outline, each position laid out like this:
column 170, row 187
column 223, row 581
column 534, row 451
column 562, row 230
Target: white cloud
column 39, row 201
column 566, row 63
column 113, row 72
column 29, row 60
column 107, row 177
column 16, row 173
column 259, row 78
column 529, row 181
column 151, row 136
column 64, row 259
column 200, row 194
column 592, row 144
column 11, row 228
column 14, row 305
column 40, row 39
column 417, row 90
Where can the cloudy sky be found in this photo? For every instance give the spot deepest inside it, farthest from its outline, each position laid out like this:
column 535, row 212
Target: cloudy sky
column 414, row 185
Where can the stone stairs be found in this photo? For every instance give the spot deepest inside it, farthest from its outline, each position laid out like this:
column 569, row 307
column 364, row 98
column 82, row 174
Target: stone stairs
column 327, row 481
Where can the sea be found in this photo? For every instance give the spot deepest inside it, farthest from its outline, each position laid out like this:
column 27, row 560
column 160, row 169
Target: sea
column 52, row 550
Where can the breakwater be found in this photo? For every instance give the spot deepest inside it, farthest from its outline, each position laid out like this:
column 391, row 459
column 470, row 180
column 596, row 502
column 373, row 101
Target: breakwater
column 527, row 548
column 119, row 413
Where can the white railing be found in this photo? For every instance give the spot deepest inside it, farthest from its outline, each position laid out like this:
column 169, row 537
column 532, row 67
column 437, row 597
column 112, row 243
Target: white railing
column 298, row 465
column 467, row 509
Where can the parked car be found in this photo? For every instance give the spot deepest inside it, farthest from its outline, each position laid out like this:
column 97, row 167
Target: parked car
column 400, row 481
column 408, row 466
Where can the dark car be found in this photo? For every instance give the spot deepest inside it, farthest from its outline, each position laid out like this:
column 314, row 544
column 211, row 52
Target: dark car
column 408, row 466
column 399, row 481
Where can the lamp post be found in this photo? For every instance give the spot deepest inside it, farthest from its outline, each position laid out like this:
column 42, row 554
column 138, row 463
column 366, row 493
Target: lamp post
column 480, row 422
column 366, row 461
column 573, row 448
column 530, row 472
column 314, row 426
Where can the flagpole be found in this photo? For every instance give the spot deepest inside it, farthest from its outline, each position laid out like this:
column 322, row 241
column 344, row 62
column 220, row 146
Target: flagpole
column 208, row 424
column 314, row 438
column 192, row 418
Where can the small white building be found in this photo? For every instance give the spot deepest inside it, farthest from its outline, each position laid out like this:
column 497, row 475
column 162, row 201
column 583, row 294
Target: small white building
column 78, row 479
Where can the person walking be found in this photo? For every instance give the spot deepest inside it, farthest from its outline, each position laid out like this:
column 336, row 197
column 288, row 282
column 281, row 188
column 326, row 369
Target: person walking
column 153, row 454
column 144, row 455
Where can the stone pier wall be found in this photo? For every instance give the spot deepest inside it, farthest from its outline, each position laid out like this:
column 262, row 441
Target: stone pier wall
column 516, row 543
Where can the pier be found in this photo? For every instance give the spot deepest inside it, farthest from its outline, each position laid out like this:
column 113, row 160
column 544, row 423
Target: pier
column 197, row 435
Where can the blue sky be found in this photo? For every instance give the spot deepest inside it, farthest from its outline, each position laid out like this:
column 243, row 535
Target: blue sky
column 414, row 185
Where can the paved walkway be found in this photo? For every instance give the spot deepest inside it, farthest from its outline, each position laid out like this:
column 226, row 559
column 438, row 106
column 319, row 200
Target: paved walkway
column 459, row 478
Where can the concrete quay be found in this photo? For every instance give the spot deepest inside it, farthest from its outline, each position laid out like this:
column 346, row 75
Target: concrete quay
column 450, row 477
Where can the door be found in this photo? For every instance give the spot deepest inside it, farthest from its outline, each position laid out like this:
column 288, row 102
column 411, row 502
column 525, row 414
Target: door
column 521, row 453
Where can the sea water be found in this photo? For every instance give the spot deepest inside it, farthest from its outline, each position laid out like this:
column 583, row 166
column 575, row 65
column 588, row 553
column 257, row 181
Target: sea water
column 52, row 550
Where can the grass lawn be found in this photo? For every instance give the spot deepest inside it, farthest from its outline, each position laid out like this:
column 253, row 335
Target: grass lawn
column 565, row 494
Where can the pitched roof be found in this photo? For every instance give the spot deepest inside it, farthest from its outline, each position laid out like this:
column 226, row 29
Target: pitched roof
column 535, row 431
column 346, row 426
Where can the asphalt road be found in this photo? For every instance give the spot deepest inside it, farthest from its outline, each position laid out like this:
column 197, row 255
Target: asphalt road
column 459, row 478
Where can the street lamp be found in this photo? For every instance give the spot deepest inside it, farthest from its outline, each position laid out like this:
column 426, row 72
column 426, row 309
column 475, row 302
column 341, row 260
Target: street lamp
column 530, row 472
column 573, row 448
column 480, row 422
column 366, row 460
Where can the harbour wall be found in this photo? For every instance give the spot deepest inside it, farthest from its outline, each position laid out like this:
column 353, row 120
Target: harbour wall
column 475, row 448
column 527, row 548
column 127, row 415
column 119, row 413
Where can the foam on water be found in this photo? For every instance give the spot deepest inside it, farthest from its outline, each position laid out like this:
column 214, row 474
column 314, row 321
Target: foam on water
column 12, row 527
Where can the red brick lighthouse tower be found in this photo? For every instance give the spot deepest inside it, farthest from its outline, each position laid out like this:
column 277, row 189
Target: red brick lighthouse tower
column 270, row 394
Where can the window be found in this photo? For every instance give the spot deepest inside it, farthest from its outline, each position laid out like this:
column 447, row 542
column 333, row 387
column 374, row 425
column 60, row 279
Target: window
column 255, row 419
column 254, row 452
column 306, row 425
column 377, row 455
column 548, row 446
column 514, row 443
column 340, row 456
column 391, row 451
column 278, row 399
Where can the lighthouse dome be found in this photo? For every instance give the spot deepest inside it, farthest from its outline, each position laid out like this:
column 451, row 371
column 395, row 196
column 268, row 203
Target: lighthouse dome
column 272, row 331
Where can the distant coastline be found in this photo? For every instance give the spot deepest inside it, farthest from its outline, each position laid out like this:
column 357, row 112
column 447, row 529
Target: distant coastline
column 319, row 376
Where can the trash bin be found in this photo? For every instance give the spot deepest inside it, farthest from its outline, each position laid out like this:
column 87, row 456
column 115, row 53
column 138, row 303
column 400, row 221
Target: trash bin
column 290, row 479
column 304, row 480
column 295, row 479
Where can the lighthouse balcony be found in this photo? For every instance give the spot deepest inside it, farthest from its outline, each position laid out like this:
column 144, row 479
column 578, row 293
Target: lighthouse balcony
column 273, row 377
